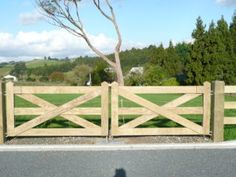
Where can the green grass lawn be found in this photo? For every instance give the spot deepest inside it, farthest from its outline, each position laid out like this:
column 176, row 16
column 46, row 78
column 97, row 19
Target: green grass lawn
column 159, row 99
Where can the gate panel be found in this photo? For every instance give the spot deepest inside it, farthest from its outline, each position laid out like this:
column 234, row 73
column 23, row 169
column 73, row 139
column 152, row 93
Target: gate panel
column 170, row 110
column 47, row 111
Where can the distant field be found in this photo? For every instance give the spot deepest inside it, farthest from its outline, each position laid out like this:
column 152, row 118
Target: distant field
column 160, row 99
column 30, row 64
column 5, row 70
column 37, row 63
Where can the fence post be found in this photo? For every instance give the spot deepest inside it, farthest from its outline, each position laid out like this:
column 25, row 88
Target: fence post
column 207, row 108
column 2, row 123
column 218, row 111
column 105, row 108
column 10, row 106
column 114, row 107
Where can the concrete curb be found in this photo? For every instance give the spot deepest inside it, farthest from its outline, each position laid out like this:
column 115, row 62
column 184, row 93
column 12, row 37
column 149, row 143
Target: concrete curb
column 138, row 147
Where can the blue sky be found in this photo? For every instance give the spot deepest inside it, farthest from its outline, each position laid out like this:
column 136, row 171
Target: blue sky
column 24, row 34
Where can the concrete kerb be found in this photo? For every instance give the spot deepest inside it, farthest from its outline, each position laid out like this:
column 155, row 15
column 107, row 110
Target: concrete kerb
column 137, row 147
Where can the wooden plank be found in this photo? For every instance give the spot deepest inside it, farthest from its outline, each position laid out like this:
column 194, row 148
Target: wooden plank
column 56, row 112
column 75, row 111
column 54, row 89
column 181, row 100
column 230, row 120
column 105, row 108
column 154, row 131
column 80, row 121
column 10, row 106
column 2, row 128
column 145, row 111
column 37, row 101
column 230, row 89
column 164, row 89
column 218, row 111
column 206, row 108
column 138, row 121
column 230, row 105
column 160, row 110
column 114, row 106
column 58, row 132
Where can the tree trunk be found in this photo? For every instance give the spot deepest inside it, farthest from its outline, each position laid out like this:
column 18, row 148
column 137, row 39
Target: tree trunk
column 119, row 73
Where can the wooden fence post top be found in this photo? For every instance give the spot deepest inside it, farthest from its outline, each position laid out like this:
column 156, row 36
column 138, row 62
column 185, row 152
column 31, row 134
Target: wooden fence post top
column 206, row 83
column 9, row 82
column 219, row 82
column 114, row 84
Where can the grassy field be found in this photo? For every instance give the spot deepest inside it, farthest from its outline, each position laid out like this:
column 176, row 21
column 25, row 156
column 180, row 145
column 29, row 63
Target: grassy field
column 160, row 99
column 29, row 64
column 39, row 62
column 5, row 70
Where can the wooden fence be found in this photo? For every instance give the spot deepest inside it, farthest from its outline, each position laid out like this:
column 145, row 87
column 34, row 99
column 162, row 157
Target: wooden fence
column 170, row 110
column 46, row 110
column 211, row 110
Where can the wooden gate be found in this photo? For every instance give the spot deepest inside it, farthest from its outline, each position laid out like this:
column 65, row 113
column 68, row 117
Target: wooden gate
column 46, row 111
column 171, row 110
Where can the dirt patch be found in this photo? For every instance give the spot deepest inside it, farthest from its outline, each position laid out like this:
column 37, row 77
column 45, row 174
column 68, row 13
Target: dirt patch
column 166, row 139
column 117, row 140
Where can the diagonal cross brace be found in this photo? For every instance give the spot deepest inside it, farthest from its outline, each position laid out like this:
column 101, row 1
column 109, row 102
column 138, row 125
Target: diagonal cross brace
column 56, row 112
column 44, row 104
column 160, row 110
column 174, row 103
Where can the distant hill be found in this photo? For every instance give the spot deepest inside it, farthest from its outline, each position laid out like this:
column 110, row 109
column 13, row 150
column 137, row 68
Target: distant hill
column 40, row 62
column 5, row 68
column 129, row 58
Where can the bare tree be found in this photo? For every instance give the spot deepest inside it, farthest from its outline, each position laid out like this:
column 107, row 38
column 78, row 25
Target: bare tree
column 66, row 14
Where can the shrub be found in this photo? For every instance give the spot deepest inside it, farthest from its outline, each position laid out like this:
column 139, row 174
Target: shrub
column 134, row 79
column 30, row 79
column 170, row 82
column 154, row 75
column 56, row 77
column 43, row 79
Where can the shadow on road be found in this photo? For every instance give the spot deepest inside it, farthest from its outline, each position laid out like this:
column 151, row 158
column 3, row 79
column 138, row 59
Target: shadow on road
column 120, row 173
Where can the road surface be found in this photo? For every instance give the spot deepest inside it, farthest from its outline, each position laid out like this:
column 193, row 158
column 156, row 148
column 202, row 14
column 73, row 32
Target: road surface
column 119, row 162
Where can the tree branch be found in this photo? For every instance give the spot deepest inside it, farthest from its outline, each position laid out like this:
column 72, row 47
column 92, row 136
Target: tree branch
column 60, row 14
column 111, row 18
column 118, row 46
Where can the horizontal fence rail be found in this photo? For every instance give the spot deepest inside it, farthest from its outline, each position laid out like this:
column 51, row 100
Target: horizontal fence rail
column 164, row 89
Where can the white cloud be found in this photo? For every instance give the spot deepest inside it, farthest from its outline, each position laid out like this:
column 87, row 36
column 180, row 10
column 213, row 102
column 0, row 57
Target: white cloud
column 30, row 18
column 57, row 43
column 227, row 2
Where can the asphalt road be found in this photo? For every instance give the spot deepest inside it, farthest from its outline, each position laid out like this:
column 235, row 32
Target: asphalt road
column 121, row 163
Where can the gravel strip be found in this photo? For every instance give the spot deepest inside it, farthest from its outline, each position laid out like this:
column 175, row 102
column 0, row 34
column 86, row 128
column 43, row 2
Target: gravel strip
column 117, row 140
